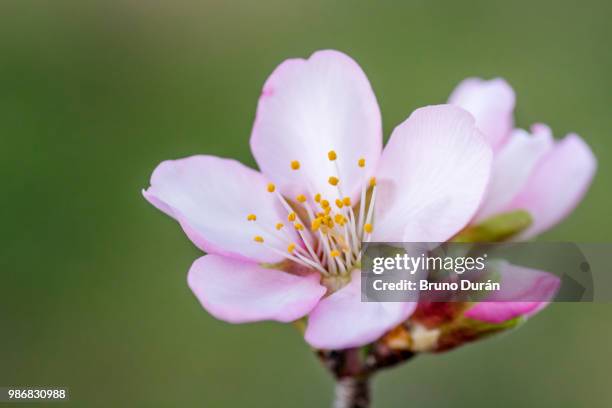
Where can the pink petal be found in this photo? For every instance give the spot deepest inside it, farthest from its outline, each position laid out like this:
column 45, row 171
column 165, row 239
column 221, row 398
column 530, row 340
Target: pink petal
column 536, row 288
column 309, row 107
column 491, row 102
column 557, row 184
column 239, row 291
column 342, row 320
column 512, row 166
column 431, row 177
column 211, row 198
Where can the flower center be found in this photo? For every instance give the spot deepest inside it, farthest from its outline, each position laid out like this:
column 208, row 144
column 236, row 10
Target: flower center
column 330, row 234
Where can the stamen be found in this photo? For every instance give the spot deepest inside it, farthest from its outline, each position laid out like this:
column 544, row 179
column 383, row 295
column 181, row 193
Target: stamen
column 371, row 207
column 334, row 254
column 307, row 261
column 340, row 202
column 361, row 207
column 353, row 229
column 351, row 244
column 292, row 217
column 326, row 252
column 311, row 217
column 297, row 258
column 332, row 230
column 315, row 224
column 284, row 237
column 309, row 212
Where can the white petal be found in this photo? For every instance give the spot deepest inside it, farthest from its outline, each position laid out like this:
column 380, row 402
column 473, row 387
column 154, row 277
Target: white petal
column 342, row 320
column 557, row 184
column 309, row 107
column 238, row 291
column 431, row 177
column 492, row 104
column 512, row 166
column 211, row 198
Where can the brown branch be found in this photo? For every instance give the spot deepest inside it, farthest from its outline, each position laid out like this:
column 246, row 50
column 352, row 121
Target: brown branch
column 352, row 392
column 353, row 369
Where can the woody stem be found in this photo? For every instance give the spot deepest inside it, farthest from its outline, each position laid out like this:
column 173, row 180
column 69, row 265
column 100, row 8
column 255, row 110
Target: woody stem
column 352, row 392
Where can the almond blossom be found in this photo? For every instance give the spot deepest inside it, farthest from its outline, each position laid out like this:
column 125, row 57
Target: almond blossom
column 531, row 171
column 283, row 243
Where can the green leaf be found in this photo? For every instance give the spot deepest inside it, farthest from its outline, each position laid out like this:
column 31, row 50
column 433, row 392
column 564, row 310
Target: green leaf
column 496, row 228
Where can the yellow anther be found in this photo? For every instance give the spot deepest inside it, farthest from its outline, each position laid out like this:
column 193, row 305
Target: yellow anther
column 317, row 197
column 271, row 187
column 361, row 162
column 333, row 181
column 291, row 248
column 301, row 198
column 372, row 181
column 327, row 210
column 292, row 216
column 316, row 224
column 339, row 203
column 258, row 238
column 251, row 217
column 298, row 226
column 339, row 218
column 332, row 155
column 329, row 222
column 368, row 228
column 334, row 253
column 295, row 165
column 279, row 225
column 324, row 203
column 346, row 201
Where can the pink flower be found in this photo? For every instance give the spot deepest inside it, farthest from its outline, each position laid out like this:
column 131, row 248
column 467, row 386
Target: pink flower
column 284, row 243
column 520, row 283
column 531, row 171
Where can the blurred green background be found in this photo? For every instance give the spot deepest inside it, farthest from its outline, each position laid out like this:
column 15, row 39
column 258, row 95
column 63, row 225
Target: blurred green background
column 94, row 94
